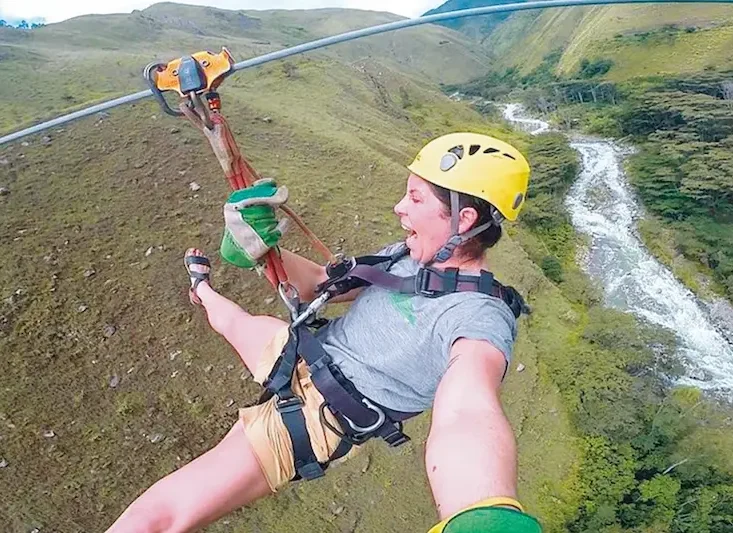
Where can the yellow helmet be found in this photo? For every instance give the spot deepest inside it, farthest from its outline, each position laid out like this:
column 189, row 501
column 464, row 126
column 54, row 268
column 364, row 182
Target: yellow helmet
column 478, row 165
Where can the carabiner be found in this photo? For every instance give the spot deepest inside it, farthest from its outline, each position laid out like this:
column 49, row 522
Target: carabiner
column 291, row 298
column 381, row 418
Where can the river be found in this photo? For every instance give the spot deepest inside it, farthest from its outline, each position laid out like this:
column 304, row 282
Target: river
column 604, row 207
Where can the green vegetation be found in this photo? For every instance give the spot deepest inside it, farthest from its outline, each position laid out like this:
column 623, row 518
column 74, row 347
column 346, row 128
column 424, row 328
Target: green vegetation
column 644, row 40
column 650, row 456
column 638, row 439
column 477, row 27
column 683, row 127
column 594, row 68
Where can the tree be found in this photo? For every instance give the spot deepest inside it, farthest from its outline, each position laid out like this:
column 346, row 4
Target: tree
column 3, row 23
column 660, row 496
column 709, row 179
column 23, row 25
column 552, row 268
column 726, row 89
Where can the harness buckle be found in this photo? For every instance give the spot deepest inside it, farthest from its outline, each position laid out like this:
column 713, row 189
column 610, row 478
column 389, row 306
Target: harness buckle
column 422, row 284
column 395, row 439
column 289, row 405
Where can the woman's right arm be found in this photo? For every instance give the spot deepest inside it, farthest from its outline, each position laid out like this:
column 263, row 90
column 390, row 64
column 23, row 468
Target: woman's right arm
column 303, row 273
column 307, row 275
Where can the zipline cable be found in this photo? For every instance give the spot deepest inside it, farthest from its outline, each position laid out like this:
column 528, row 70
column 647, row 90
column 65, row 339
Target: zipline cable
column 350, row 36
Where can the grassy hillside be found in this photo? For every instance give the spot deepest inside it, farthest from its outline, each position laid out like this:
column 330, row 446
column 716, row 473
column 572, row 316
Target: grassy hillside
column 479, row 28
column 640, row 40
column 63, row 66
column 110, row 378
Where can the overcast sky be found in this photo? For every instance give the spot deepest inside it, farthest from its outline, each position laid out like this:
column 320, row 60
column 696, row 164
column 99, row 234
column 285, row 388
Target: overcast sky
column 58, row 10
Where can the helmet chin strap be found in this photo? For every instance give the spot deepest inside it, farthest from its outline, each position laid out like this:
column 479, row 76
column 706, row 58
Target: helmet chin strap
column 457, row 239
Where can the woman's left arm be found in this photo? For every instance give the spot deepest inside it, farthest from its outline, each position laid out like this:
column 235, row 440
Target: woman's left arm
column 471, row 453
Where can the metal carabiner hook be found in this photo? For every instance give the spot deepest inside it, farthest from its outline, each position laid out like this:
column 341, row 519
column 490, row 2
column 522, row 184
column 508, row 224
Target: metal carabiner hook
column 291, row 298
column 381, row 418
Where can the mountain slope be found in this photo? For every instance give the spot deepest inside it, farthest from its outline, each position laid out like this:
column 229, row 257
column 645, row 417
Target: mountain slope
column 641, row 40
column 86, row 59
column 479, row 28
column 99, row 343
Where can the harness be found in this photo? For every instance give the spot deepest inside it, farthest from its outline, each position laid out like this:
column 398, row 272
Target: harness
column 360, row 417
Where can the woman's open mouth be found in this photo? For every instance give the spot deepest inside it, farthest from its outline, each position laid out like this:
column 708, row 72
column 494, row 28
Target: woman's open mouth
column 411, row 234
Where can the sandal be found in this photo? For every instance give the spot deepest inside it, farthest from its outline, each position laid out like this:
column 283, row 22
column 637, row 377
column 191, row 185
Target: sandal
column 195, row 256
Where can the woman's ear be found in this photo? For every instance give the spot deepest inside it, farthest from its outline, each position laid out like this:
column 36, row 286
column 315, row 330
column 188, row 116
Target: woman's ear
column 467, row 219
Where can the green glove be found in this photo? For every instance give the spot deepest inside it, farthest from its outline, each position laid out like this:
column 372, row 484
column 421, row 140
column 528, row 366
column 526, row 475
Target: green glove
column 251, row 227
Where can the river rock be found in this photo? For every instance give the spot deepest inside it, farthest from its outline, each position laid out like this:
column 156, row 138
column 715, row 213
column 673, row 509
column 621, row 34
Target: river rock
column 700, row 374
column 520, row 367
column 108, row 331
column 114, row 381
column 194, row 186
column 3, row 463
column 155, row 438
column 4, row 191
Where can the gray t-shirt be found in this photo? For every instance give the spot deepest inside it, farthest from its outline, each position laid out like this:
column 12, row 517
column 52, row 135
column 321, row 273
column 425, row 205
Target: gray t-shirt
column 395, row 347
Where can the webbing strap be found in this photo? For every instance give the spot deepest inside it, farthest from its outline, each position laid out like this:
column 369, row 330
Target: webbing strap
column 430, row 283
column 241, row 174
column 290, row 407
column 284, row 368
column 338, row 397
column 306, row 463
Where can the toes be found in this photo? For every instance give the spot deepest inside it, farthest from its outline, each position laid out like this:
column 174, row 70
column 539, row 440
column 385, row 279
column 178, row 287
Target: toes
column 193, row 267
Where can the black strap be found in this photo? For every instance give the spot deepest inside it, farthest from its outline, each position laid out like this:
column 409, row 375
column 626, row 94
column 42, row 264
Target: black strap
column 290, row 407
column 291, row 411
column 341, row 280
column 342, row 396
column 435, row 283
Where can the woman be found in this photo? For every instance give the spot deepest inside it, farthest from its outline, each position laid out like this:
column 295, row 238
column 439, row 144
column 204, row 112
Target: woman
column 452, row 354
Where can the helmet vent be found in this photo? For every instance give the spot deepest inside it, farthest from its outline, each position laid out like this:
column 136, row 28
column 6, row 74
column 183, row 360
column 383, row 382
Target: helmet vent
column 458, row 151
column 474, row 148
column 510, row 157
column 491, row 151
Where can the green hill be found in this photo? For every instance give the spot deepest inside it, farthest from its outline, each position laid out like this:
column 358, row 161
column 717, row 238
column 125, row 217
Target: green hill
column 479, row 28
column 644, row 40
column 99, row 343
column 90, row 58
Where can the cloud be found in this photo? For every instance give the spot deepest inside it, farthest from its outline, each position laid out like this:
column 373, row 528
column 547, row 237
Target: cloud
column 55, row 10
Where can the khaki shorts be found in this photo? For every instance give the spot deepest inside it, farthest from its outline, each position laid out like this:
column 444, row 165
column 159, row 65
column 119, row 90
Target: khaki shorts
column 267, row 432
